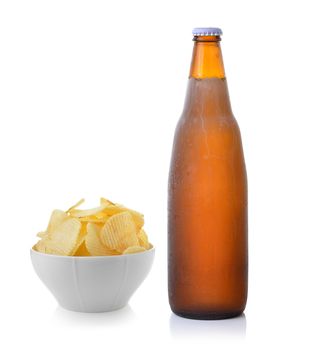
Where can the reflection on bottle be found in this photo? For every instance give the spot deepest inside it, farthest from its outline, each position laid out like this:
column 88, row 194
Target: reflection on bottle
column 229, row 328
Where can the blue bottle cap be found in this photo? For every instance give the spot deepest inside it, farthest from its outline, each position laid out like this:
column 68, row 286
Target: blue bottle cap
column 207, row 31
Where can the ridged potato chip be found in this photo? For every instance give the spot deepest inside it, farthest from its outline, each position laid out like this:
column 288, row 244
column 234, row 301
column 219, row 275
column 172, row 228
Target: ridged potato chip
column 133, row 250
column 62, row 240
column 119, row 232
column 143, row 239
column 138, row 218
column 114, row 208
column 93, row 242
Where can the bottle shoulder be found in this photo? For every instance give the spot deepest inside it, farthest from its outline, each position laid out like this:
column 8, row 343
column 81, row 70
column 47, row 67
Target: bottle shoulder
column 208, row 98
column 193, row 121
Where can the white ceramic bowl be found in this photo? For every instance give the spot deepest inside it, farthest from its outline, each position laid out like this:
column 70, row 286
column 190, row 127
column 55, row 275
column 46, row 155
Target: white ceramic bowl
column 95, row 283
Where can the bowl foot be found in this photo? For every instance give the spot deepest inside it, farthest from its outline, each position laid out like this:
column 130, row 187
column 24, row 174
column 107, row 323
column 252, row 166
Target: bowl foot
column 93, row 310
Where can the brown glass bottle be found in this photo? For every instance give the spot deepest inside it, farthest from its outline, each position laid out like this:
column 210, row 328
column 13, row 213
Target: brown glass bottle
column 207, row 201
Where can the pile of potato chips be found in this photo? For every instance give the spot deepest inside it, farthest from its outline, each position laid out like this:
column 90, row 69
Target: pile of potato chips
column 110, row 229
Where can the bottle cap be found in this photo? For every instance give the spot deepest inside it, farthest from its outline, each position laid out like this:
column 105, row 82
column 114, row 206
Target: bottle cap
column 207, row 31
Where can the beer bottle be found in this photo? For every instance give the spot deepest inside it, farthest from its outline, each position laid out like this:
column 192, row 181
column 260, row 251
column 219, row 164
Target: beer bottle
column 207, row 199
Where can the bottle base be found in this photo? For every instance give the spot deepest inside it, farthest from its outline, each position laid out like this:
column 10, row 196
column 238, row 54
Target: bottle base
column 208, row 315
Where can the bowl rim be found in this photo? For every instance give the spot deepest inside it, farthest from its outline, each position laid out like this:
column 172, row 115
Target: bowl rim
column 100, row 257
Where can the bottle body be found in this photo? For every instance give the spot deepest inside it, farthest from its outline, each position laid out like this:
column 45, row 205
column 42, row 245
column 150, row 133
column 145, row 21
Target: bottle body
column 207, row 207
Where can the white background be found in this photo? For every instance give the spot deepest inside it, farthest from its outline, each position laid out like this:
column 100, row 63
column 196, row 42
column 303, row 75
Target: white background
column 90, row 93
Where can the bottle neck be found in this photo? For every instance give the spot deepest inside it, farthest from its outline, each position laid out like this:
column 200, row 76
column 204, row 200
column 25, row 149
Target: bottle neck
column 207, row 93
column 207, row 58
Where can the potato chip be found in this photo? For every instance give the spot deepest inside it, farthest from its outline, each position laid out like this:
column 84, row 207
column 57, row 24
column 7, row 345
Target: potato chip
column 81, row 238
column 62, row 240
column 104, row 201
column 56, row 219
column 138, row 218
column 94, row 219
column 133, row 250
column 79, row 213
column 82, row 250
column 75, row 205
column 143, row 239
column 42, row 234
column 119, row 232
column 40, row 246
column 93, row 242
column 101, row 215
